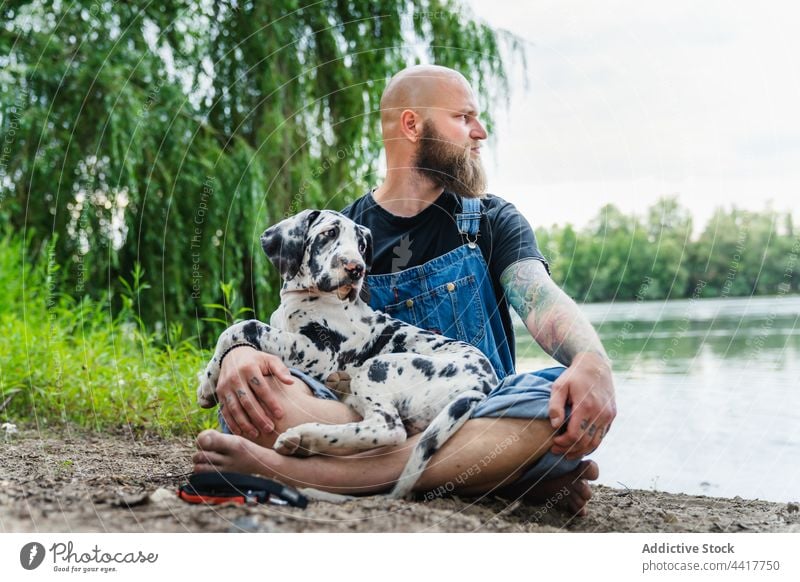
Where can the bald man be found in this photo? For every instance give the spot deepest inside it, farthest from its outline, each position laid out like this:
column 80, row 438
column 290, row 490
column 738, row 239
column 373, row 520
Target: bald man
column 449, row 258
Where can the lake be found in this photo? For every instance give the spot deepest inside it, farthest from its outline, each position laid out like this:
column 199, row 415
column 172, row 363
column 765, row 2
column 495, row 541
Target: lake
column 708, row 395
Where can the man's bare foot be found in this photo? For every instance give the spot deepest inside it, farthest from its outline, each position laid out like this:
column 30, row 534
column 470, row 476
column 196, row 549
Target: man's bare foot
column 227, row 452
column 571, row 491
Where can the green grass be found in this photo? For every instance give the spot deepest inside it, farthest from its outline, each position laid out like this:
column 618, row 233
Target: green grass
column 64, row 360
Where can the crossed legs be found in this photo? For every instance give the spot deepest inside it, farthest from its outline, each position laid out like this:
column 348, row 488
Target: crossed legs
column 470, row 463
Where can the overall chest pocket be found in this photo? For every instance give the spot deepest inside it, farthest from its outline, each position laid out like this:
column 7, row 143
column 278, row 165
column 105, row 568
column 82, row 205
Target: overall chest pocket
column 453, row 309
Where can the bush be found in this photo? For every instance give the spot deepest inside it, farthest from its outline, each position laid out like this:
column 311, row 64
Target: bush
column 72, row 360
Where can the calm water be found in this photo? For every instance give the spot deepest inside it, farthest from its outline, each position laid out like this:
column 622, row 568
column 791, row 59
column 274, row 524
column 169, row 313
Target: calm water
column 708, row 393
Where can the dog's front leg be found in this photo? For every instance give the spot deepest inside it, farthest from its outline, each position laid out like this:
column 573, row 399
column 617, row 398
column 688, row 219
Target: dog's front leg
column 253, row 332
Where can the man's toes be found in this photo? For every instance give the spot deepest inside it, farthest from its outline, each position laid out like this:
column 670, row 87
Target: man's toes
column 212, row 440
column 208, row 458
column 588, row 470
column 577, row 506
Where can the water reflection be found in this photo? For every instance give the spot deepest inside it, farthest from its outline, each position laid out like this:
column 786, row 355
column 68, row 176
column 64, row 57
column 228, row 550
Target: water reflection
column 708, row 393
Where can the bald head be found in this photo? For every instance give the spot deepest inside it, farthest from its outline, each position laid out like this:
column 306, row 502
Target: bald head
column 431, row 132
column 419, row 88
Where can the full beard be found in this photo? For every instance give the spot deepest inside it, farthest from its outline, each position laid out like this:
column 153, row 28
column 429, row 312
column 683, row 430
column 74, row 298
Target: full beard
column 449, row 166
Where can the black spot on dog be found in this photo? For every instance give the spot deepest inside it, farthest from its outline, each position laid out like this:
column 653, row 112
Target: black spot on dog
column 346, row 357
column 372, row 349
column 378, row 371
column 402, row 407
column 285, row 252
column 323, row 337
column 472, row 368
column 250, row 331
column 325, row 283
column 208, row 374
column 334, row 441
column 383, row 338
column 460, row 407
column 358, row 429
column 486, row 388
column 400, row 371
column 399, row 343
column 314, row 265
column 424, row 366
column 448, row 371
column 487, row 367
column 391, row 421
column 428, row 444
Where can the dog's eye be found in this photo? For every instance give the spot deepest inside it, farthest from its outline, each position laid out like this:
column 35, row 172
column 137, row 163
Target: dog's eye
column 331, row 232
column 362, row 246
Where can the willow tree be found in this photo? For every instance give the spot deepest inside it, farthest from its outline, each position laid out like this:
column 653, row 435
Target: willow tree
column 171, row 134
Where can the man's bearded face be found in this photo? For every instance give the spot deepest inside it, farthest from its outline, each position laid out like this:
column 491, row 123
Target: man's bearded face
column 450, row 165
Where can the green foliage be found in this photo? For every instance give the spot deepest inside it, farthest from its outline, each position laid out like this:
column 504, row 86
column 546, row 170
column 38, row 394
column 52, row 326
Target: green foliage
column 625, row 258
column 166, row 136
column 68, row 360
column 149, row 145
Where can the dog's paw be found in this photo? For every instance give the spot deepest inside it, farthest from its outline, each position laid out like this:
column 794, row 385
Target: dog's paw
column 292, row 442
column 206, row 392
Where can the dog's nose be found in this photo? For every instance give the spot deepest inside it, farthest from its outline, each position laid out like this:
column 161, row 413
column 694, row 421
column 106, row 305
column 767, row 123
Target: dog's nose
column 354, row 270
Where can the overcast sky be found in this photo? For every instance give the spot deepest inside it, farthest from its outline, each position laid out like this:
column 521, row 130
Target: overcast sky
column 631, row 100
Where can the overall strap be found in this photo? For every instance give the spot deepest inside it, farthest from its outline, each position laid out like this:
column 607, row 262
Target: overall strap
column 469, row 219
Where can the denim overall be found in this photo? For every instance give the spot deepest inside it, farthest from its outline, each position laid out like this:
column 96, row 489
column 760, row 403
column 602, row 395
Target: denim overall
column 453, row 295
column 450, row 295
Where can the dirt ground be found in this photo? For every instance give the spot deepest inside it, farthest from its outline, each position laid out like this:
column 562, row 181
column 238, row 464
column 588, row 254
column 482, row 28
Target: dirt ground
column 73, row 481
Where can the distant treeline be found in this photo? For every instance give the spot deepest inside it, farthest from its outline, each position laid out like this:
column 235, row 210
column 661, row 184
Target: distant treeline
column 625, row 257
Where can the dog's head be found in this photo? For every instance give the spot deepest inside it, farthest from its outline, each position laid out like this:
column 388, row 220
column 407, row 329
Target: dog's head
column 320, row 250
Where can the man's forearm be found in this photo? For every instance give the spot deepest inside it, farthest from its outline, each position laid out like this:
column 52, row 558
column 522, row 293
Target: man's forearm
column 552, row 318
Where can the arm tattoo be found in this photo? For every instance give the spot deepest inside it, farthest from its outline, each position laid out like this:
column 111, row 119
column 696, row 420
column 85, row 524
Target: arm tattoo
column 553, row 319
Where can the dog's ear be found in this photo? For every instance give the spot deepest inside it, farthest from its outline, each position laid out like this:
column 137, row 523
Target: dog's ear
column 285, row 242
column 367, row 234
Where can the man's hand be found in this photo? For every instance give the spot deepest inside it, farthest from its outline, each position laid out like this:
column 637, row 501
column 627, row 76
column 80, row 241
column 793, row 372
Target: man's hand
column 246, row 399
column 588, row 386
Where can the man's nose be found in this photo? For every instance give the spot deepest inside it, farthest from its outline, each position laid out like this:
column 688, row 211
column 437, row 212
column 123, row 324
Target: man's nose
column 478, row 131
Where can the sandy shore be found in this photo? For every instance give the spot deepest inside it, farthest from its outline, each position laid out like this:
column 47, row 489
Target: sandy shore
column 70, row 481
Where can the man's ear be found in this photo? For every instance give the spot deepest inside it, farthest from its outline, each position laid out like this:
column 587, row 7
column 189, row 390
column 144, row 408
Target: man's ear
column 285, row 242
column 367, row 234
column 410, row 125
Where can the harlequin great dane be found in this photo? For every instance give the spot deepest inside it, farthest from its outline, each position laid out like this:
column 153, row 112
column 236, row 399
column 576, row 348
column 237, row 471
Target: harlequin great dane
column 403, row 379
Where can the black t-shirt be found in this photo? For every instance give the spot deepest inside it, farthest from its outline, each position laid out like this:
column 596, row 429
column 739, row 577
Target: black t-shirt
column 405, row 242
